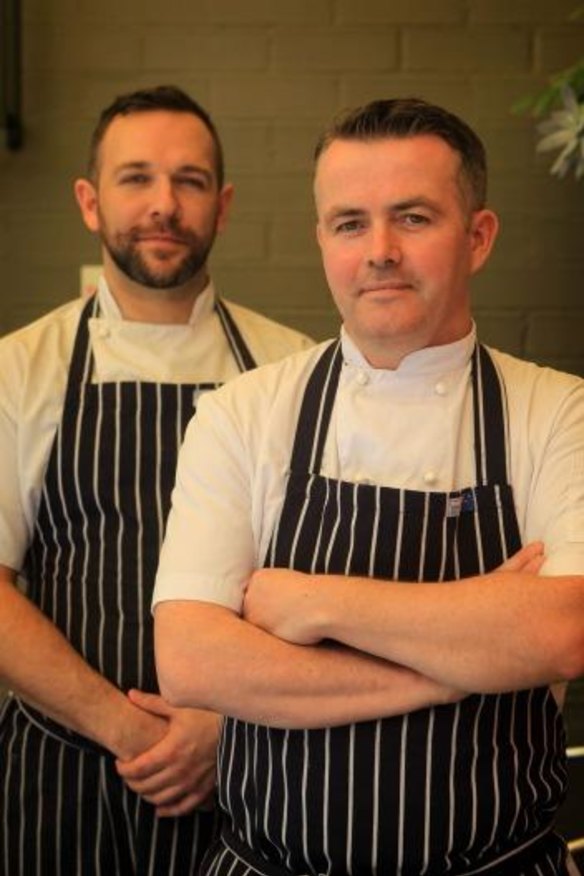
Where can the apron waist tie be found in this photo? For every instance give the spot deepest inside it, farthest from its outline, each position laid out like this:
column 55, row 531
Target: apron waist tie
column 57, row 731
column 250, row 858
column 529, row 852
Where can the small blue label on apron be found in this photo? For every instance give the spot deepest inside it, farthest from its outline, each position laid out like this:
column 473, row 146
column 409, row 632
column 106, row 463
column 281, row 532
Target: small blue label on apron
column 460, row 504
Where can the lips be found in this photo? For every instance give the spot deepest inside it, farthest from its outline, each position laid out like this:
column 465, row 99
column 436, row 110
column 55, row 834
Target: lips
column 388, row 286
column 160, row 238
column 167, row 233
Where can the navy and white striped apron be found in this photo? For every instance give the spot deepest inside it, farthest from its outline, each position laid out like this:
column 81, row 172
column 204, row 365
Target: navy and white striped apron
column 90, row 569
column 457, row 789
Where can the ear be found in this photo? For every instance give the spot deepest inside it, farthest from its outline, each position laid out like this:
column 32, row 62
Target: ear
column 225, row 199
column 86, row 195
column 319, row 233
column 484, row 227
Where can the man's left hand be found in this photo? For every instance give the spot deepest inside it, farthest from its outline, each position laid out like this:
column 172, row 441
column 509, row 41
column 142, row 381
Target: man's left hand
column 178, row 773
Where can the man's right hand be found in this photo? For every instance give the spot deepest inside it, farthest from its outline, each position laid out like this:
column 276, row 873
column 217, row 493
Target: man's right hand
column 176, row 774
column 40, row 665
column 137, row 731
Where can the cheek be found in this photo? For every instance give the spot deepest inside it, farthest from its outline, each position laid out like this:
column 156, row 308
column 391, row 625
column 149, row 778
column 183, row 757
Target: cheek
column 125, row 210
column 442, row 266
column 110, row 214
column 341, row 266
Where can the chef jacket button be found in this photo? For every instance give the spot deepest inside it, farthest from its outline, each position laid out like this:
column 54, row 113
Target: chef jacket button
column 103, row 331
column 440, row 388
column 362, row 378
column 430, row 477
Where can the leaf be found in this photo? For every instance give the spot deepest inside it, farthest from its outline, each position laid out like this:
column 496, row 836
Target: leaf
column 554, row 141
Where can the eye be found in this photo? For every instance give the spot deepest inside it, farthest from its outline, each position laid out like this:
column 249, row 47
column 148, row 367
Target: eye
column 414, row 220
column 349, row 226
column 136, row 179
column 192, row 182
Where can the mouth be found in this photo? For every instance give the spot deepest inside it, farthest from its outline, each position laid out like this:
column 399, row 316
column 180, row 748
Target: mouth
column 388, row 287
column 165, row 239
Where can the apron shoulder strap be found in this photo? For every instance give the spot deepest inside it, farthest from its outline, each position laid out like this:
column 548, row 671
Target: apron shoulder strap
column 490, row 420
column 315, row 412
column 241, row 352
column 82, row 358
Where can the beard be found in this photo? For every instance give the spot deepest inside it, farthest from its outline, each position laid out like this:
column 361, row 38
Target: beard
column 162, row 271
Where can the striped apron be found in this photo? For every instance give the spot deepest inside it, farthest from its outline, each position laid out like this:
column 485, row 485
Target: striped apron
column 91, row 568
column 465, row 788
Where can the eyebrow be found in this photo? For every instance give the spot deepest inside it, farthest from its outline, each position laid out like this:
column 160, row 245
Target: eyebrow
column 194, row 169
column 341, row 212
column 419, row 201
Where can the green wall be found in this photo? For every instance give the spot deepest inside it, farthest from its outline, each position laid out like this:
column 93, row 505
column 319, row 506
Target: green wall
column 272, row 72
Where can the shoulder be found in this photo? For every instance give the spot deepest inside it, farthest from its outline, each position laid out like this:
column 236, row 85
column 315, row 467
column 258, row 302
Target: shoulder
column 539, row 397
column 271, row 391
column 53, row 328
column 525, row 378
column 35, row 358
column 247, row 426
column 269, row 340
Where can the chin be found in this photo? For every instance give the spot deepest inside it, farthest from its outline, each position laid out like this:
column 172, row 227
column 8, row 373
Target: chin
column 396, row 328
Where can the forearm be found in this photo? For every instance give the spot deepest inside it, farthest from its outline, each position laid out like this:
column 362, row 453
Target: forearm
column 39, row 665
column 495, row 632
column 209, row 658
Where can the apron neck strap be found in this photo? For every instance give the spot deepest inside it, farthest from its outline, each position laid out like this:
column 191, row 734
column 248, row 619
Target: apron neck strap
column 490, row 420
column 82, row 358
column 315, row 413
column 241, row 353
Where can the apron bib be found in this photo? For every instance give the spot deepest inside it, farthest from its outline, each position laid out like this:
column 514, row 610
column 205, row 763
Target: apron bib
column 90, row 569
column 457, row 789
column 93, row 559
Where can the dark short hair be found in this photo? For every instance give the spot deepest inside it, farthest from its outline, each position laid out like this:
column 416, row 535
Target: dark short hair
column 411, row 117
column 162, row 97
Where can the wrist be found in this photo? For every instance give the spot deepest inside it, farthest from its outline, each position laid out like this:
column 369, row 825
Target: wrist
column 328, row 595
column 344, row 605
column 131, row 730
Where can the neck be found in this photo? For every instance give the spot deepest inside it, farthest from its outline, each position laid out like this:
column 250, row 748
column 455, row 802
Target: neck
column 139, row 303
column 388, row 355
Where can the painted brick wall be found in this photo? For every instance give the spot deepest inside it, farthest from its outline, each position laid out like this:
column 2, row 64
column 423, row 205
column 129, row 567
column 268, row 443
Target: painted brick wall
column 272, row 72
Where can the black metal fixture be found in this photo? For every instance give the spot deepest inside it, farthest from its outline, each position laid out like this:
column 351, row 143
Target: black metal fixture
column 10, row 73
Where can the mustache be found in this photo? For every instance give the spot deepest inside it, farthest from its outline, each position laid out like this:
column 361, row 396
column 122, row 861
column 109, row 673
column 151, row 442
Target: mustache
column 170, row 226
column 388, row 275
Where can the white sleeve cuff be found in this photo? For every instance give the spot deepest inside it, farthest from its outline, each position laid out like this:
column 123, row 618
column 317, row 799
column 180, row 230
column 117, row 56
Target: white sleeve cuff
column 185, row 586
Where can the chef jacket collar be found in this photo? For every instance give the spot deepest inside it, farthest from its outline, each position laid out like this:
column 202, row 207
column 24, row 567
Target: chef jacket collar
column 429, row 360
column 203, row 306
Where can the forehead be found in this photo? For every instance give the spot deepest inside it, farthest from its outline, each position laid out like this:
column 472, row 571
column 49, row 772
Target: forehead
column 168, row 139
column 361, row 173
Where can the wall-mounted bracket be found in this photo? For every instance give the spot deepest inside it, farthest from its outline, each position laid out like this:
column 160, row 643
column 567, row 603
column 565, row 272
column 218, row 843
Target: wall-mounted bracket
column 11, row 73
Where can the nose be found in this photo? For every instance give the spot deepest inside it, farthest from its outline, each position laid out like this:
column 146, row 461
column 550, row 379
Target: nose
column 164, row 202
column 385, row 249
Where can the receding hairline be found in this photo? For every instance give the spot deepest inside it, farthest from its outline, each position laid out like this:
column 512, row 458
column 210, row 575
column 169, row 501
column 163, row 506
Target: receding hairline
column 405, row 118
column 161, row 98
column 151, row 112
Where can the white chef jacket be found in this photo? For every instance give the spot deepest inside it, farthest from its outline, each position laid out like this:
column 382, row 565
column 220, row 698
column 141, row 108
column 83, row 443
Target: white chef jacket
column 34, row 363
column 408, row 428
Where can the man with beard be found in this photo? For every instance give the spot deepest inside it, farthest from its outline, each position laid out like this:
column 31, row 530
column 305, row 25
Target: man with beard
column 98, row 774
